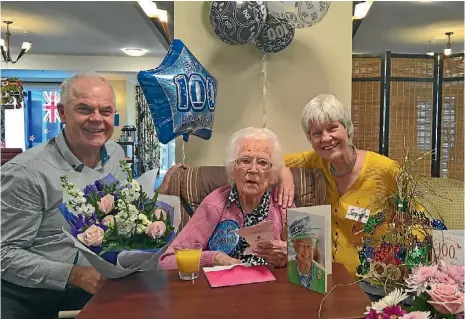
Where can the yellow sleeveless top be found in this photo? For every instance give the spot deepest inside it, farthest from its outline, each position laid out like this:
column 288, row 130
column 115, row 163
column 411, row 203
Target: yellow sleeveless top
column 376, row 180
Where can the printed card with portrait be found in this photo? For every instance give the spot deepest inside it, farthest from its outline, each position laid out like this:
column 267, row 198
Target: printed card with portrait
column 309, row 246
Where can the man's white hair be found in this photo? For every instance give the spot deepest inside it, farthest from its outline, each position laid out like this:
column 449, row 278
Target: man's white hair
column 326, row 107
column 67, row 84
column 252, row 133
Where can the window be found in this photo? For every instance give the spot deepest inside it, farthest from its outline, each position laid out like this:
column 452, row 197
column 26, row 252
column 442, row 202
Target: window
column 167, row 157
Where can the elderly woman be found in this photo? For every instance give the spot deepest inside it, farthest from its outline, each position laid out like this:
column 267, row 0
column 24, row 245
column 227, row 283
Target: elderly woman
column 253, row 162
column 355, row 178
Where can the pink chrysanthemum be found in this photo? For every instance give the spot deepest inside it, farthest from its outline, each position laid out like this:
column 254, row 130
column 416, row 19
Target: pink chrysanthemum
column 457, row 273
column 420, row 278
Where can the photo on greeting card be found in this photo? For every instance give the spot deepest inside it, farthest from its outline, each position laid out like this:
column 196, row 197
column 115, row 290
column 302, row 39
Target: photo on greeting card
column 309, row 247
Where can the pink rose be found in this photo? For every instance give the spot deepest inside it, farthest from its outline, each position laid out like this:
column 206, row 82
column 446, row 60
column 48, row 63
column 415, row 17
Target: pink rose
column 107, row 220
column 160, row 213
column 106, row 204
column 446, row 299
column 155, row 229
column 93, row 236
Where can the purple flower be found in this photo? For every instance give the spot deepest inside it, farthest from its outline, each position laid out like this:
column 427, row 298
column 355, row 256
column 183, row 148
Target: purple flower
column 100, row 194
column 89, row 189
column 99, row 185
column 109, row 180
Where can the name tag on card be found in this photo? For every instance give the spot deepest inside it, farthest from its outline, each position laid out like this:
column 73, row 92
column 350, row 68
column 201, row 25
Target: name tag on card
column 358, row 214
column 448, row 246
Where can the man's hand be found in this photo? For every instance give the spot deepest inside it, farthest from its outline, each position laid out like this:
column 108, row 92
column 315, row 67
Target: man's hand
column 86, row 278
column 274, row 252
column 284, row 190
column 221, row 259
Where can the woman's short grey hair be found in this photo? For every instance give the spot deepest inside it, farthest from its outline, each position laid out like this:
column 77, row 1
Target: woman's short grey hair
column 326, row 107
column 67, row 84
column 252, row 133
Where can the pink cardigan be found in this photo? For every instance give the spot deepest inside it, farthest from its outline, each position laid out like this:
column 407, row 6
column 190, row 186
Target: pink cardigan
column 207, row 216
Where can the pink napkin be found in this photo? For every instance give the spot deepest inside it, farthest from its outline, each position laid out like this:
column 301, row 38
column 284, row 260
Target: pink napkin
column 221, row 276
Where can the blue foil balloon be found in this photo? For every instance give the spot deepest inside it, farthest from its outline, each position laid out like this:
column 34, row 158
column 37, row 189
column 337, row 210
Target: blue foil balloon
column 181, row 95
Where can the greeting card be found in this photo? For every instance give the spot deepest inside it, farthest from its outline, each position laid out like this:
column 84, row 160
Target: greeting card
column 309, row 247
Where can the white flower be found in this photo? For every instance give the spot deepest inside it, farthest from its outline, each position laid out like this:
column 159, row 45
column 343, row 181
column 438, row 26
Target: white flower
column 140, row 229
column 143, row 219
column 393, row 298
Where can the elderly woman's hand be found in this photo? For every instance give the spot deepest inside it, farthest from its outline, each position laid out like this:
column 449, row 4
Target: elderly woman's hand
column 221, row 259
column 274, row 252
column 284, row 190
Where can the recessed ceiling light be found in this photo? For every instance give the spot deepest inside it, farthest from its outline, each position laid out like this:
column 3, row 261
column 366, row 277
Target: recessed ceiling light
column 430, row 53
column 134, row 51
column 361, row 9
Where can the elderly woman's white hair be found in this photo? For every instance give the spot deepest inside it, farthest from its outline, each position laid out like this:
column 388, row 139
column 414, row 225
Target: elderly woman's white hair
column 252, row 133
column 326, row 107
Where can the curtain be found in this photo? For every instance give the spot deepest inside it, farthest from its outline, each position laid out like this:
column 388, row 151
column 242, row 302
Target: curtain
column 148, row 148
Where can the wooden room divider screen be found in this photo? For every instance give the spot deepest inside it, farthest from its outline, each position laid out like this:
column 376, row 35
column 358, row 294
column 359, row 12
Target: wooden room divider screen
column 415, row 102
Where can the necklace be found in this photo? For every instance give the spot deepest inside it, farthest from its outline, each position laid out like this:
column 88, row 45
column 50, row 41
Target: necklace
column 349, row 167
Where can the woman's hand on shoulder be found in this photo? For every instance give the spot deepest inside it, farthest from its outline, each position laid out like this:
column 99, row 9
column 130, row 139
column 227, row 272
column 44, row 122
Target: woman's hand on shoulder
column 274, row 252
column 221, row 259
column 283, row 192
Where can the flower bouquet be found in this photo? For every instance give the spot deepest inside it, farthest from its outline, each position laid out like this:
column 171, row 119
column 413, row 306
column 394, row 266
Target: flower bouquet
column 117, row 227
column 438, row 293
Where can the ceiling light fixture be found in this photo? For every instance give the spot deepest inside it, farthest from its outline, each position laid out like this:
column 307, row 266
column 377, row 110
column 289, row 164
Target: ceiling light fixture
column 134, row 51
column 430, row 53
column 5, row 46
column 151, row 10
column 361, row 9
column 448, row 49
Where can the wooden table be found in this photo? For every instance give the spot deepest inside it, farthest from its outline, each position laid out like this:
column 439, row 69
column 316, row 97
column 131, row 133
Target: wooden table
column 160, row 294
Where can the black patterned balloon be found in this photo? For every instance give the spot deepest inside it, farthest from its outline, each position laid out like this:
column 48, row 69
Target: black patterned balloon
column 276, row 35
column 301, row 14
column 237, row 22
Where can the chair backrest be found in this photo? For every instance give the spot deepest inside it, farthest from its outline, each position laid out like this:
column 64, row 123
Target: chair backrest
column 444, row 197
column 194, row 184
column 9, row 153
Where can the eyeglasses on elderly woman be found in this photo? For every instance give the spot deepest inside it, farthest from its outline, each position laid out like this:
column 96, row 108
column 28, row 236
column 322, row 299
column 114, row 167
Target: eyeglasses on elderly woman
column 247, row 162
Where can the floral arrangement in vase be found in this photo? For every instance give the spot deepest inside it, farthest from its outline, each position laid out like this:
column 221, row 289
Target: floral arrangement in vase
column 438, row 292
column 110, row 217
column 398, row 237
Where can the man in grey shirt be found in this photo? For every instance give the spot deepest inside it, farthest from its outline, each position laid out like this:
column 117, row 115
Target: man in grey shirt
column 42, row 272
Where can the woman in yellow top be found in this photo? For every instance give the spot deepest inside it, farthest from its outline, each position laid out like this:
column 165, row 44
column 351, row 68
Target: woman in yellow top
column 356, row 179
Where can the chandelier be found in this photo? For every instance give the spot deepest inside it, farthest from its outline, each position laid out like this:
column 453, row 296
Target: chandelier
column 5, row 46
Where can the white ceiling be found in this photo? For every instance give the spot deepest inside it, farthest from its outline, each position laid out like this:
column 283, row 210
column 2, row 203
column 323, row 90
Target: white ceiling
column 92, row 28
column 407, row 26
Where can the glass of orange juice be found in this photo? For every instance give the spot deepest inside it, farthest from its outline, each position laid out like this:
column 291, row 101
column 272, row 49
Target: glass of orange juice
column 188, row 259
